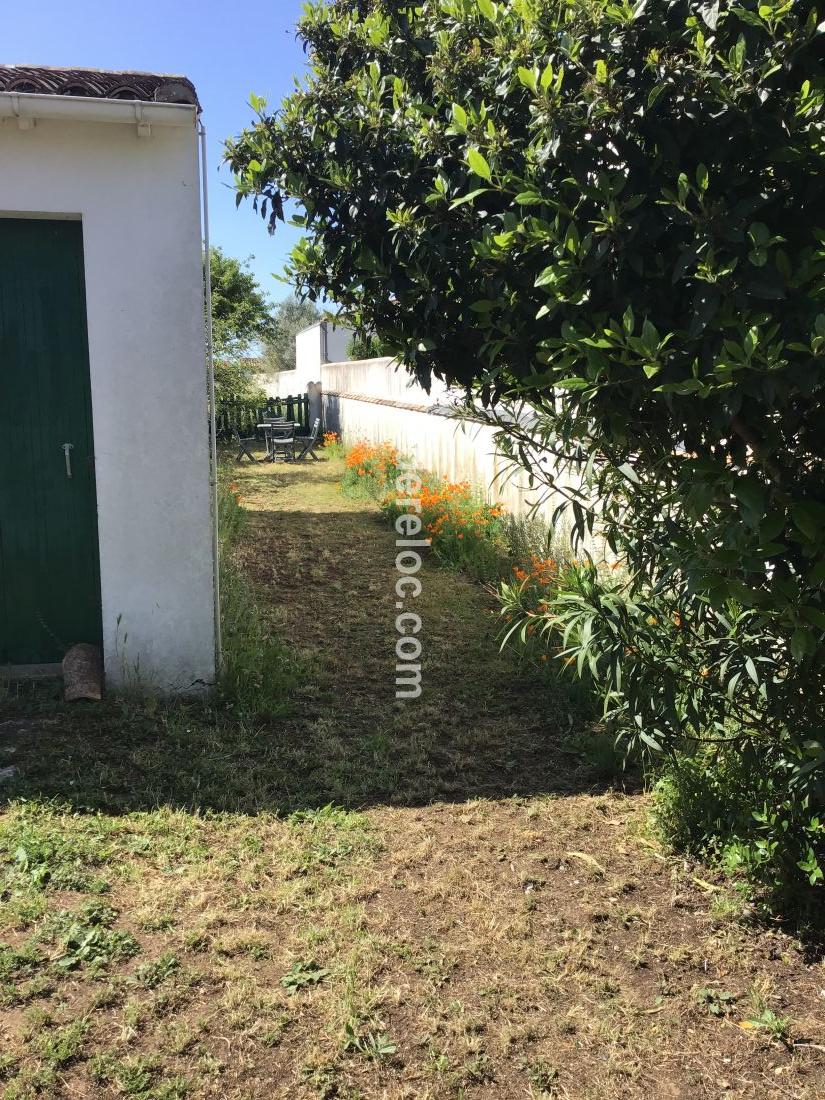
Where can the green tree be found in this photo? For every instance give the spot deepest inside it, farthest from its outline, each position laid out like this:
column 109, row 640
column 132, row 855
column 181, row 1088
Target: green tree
column 613, row 213
column 368, row 346
column 242, row 315
column 242, row 319
column 291, row 316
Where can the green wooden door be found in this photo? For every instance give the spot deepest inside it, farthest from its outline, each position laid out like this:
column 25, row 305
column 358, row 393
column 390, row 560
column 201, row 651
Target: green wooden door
column 49, row 569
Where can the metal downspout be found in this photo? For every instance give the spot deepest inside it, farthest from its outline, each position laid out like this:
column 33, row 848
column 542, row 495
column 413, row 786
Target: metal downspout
column 210, row 377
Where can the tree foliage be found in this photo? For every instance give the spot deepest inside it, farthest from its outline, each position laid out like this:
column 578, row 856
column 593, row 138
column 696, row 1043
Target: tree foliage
column 607, row 219
column 368, row 346
column 242, row 314
column 241, row 319
column 291, row 316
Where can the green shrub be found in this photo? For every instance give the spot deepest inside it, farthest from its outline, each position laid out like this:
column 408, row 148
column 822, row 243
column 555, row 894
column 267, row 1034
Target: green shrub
column 657, row 663
column 732, row 805
column 465, row 531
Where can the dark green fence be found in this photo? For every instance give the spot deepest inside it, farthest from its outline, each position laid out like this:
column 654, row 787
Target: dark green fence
column 245, row 415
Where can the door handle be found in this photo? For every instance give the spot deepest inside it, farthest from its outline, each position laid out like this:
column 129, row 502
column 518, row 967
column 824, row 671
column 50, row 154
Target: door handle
column 67, row 454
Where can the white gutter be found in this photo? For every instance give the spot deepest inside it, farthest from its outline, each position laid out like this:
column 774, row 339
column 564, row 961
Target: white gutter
column 210, row 384
column 27, row 107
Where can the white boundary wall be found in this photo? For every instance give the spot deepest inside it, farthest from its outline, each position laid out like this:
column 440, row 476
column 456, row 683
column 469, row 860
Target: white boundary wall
column 365, row 401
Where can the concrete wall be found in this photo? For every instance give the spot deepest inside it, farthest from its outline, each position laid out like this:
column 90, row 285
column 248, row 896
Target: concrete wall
column 364, row 400
column 138, row 199
column 385, row 378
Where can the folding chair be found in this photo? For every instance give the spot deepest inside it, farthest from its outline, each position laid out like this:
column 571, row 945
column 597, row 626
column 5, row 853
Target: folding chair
column 243, row 444
column 268, row 423
column 280, row 437
column 310, row 442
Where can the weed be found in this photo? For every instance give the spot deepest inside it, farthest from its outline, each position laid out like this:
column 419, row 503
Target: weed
column 258, row 672
column 151, row 974
column 63, row 1045
column 17, row 962
column 478, row 1069
column 45, row 854
column 324, row 1077
column 331, row 835
column 605, row 759
column 86, row 939
column 303, row 974
column 718, row 1002
column 138, row 1077
column 778, row 1028
column 542, row 1075
column 372, row 1044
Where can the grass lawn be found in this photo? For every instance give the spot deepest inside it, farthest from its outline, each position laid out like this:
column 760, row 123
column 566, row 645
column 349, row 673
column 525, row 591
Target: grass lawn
column 354, row 897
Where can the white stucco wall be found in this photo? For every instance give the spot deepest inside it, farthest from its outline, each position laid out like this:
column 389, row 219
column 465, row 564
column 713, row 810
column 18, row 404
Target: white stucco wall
column 312, row 349
column 138, row 199
column 336, row 343
column 454, row 449
column 384, row 378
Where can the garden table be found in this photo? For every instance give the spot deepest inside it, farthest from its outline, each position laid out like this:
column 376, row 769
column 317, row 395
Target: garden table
column 270, row 430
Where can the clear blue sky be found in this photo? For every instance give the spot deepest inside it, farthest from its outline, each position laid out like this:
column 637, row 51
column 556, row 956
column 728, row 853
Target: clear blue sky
column 227, row 49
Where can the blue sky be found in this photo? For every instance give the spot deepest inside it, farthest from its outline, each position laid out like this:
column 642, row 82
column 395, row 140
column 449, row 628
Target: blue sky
column 227, row 49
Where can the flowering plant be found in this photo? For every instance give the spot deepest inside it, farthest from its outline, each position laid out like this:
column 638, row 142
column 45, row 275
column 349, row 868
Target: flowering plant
column 370, row 469
column 463, row 528
column 333, row 447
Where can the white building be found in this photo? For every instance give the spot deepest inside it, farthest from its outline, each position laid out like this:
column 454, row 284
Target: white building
column 320, row 343
column 106, row 532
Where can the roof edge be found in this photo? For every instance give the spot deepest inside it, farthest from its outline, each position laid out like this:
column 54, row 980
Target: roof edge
column 98, row 84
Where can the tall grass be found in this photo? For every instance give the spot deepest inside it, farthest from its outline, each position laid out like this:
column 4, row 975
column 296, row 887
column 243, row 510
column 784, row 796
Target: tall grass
column 258, row 673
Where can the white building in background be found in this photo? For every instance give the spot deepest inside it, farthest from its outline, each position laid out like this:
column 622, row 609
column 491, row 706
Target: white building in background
column 321, row 343
column 105, row 501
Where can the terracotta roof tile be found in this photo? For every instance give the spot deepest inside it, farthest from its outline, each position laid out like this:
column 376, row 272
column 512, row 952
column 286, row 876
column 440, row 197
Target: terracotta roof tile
column 98, row 84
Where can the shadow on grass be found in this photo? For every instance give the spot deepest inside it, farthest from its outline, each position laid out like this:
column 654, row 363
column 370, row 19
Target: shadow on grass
column 322, row 573
column 325, row 581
